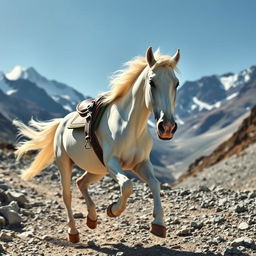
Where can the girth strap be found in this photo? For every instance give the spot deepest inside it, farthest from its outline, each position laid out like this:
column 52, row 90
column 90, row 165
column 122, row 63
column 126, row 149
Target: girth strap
column 92, row 110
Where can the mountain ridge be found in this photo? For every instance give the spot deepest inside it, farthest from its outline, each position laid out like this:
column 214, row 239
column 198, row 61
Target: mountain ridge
column 208, row 110
column 62, row 93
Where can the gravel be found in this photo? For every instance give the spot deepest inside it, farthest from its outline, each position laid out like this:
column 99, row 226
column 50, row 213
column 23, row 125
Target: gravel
column 204, row 215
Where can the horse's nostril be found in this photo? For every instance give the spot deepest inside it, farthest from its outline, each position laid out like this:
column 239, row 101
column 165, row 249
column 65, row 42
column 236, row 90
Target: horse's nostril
column 167, row 128
column 161, row 127
column 175, row 127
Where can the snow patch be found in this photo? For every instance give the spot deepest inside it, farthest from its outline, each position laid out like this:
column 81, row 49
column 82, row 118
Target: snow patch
column 10, row 92
column 193, row 107
column 66, row 97
column 229, row 81
column 230, row 97
column 55, row 98
column 68, row 108
column 247, row 77
column 217, row 104
column 202, row 105
column 16, row 73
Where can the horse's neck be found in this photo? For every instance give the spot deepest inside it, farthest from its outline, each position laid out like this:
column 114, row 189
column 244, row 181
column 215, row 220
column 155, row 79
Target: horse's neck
column 134, row 107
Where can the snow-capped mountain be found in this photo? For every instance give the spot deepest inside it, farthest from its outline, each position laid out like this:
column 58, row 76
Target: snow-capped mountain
column 211, row 92
column 22, row 90
column 61, row 93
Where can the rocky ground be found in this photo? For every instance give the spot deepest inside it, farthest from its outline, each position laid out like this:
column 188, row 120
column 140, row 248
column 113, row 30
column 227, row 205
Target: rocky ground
column 208, row 215
column 236, row 172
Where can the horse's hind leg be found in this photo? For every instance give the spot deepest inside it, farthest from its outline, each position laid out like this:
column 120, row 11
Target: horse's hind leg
column 65, row 167
column 83, row 183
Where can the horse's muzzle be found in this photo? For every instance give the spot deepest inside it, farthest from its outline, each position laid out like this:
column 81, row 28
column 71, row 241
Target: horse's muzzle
column 166, row 130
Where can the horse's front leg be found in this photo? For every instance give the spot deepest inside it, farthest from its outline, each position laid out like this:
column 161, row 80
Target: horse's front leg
column 145, row 172
column 115, row 171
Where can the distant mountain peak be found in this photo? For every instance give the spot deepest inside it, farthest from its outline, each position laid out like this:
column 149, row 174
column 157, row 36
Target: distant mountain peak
column 63, row 94
column 16, row 73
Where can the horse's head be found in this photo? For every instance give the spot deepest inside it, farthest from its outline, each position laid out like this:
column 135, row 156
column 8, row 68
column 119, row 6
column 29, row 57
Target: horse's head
column 161, row 85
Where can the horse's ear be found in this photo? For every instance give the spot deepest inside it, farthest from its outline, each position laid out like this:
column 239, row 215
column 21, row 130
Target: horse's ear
column 176, row 57
column 150, row 57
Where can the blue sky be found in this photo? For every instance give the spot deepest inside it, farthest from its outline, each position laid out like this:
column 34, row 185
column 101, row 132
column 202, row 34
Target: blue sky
column 82, row 42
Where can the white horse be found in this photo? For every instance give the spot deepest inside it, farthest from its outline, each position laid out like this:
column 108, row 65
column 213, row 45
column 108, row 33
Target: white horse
column 146, row 85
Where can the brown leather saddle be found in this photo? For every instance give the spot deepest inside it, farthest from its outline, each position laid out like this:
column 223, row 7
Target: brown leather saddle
column 90, row 113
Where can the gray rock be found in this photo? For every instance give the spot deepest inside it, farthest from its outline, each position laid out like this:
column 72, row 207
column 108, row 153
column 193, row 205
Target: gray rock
column 244, row 241
column 91, row 244
column 27, row 234
column 185, row 231
column 14, row 206
column 232, row 252
column 222, row 201
column 3, row 196
column 175, row 221
column 219, row 219
column 1, row 248
column 78, row 215
column 196, row 225
column 119, row 253
column 2, row 221
column 3, row 186
column 27, row 213
column 46, row 237
column 185, row 192
column 243, row 226
column 5, row 237
column 240, row 208
column 12, row 217
column 16, row 196
column 252, row 194
column 204, row 188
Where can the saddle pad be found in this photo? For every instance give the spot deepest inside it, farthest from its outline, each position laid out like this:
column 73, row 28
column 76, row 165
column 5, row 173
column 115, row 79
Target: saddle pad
column 77, row 122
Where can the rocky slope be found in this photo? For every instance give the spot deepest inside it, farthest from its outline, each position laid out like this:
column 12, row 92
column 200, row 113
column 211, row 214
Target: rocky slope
column 236, row 172
column 202, row 220
column 241, row 139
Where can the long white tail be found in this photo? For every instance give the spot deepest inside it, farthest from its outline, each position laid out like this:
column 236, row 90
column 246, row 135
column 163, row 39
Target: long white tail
column 41, row 137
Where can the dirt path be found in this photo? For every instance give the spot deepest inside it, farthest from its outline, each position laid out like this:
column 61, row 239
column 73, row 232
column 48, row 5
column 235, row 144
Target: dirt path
column 201, row 220
column 45, row 232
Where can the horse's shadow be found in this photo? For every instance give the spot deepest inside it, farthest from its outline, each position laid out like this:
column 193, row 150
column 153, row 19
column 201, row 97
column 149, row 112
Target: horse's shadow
column 113, row 249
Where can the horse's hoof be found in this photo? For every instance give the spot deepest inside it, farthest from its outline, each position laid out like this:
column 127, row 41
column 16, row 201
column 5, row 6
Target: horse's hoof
column 158, row 230
column 92, row 224
column 109, row 211
column 73, row 238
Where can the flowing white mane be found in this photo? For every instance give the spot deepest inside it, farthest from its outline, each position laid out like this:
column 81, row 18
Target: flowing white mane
column 123, row 79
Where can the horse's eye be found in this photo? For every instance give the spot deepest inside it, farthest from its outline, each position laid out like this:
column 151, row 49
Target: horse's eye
column 152, row 84
column 178, row 83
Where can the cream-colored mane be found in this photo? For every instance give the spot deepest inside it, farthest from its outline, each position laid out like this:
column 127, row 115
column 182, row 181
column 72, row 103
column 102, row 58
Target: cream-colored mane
column 124, row 79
